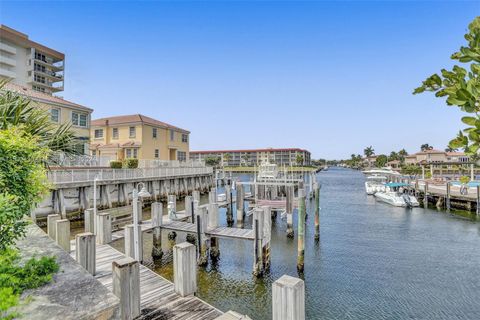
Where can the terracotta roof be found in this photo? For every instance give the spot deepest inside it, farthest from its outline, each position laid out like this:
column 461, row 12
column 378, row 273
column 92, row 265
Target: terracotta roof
column 131, row 144
column 134, row 144
column 430, row 151
column 248, row 150
column 42, row 97
column 456, row 153
column 134, row 118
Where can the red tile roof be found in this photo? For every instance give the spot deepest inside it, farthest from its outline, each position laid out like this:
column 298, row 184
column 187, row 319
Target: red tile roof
column 42, row 97
column 248, row 150
column 134, row 118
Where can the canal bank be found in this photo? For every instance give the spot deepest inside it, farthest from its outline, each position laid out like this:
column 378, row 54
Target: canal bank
column 372, row 261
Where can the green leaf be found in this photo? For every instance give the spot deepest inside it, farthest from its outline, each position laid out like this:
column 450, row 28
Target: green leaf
column 471, row 121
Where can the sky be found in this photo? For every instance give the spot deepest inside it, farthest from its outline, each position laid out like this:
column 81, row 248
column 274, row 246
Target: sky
column 330, row 77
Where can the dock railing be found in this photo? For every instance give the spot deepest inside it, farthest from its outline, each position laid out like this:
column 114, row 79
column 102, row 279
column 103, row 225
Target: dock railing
column 88, row 175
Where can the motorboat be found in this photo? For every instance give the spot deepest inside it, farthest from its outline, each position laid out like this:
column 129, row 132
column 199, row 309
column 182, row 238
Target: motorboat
column 394, row 195
column 375, row 183
column 386, row 171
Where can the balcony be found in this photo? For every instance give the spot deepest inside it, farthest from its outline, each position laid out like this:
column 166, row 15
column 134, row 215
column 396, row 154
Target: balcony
column 47, row 84
column 50, row 63
column 7, row 73
column 8, row 61
column 54, row 77
column 8, row 49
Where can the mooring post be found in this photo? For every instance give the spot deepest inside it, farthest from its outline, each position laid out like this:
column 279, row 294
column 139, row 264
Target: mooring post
column 288, row 299
column 212, row 196
column 448, row 196
column 189, row 207
column 212, row 224
column 425, row 195
column 126, row 286
column 240, row 203
column 258, row 221
column 228, row 193
column 89, row 220
column 130, row 242
column 139, row 212
column 478, row 199
column 85, row 251
column 289, row 208
column 184, row 269
column 267, row 236
column 301, row 230
column 62, row 234
column 52, row 225
column 317, row 211
column 157, row 221
column 196, row 195
column 200, row 220
column 172, row 202
column 104, row 228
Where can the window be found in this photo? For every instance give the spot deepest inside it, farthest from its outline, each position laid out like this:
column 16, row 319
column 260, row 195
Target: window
column 98, row 133
column 39, row 89
column 55, row 115
column 79, row 119
column 184, row 137
column 40, row 56
column 181, row 156
column 38, row 78
column 132, row 132
column 172, row 135
column 39, row 67
column 131, row 153
column 135, row 153
column 154, row 133
column 157, row 154
column 114, row 133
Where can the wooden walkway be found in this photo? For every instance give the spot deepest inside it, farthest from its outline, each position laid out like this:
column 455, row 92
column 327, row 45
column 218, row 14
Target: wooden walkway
column 158, row 300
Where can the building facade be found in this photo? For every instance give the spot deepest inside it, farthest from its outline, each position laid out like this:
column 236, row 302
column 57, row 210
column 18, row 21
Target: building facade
column 61, row 111
column 251, row 157
column 138, row 136
column 30, row 64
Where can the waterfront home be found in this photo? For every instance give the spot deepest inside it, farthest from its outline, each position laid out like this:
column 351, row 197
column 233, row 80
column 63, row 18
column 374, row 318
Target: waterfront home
column 138, row 136
column 61, row 111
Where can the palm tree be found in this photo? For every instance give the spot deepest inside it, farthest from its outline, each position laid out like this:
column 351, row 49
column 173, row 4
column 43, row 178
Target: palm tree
column 245, row 158
column 17, row 110
column 450, row 149
column 226, row 158
column 402, row 154
column 368, row 151
column 299, row 159
column 425, row 147
column 393, row 156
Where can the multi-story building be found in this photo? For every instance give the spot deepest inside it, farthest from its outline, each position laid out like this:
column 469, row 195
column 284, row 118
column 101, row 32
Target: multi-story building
column 290, row 156
column 30, row 64
column 61, row 111
column 138, row 136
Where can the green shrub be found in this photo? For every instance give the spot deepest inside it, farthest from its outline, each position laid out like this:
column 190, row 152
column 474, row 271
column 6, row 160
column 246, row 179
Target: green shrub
column 464, row 179
column 14, row 278
column 116, row 164
column 130, row 163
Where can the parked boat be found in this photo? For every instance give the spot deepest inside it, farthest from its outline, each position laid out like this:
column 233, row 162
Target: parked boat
column 375, row 183
column 395, row 196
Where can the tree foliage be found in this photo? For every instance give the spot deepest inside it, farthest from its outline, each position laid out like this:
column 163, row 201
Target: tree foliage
column 461, row 87
column 368, row 151
column 381, row 161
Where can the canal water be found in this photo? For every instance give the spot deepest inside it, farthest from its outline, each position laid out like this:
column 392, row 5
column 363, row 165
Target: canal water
column 373, row 261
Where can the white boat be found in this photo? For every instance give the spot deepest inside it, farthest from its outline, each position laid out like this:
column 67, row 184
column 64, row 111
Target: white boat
column 382, row 171
column 394, row 196
column 375, row 184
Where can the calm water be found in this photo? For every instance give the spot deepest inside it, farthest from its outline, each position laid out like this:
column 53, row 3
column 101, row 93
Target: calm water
column 373, row 261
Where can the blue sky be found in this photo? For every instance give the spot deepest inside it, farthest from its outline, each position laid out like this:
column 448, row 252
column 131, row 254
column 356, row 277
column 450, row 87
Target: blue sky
column 331, row 77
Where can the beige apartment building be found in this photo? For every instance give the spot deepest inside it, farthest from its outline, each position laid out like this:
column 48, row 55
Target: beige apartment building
column 61, row 111
column 138, row 136
column 30, row 64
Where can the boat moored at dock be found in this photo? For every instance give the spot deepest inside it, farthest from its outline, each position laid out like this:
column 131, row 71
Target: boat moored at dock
column 395, row 196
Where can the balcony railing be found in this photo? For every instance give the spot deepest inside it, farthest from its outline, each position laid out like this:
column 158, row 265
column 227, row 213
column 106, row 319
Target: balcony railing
column 88, row 175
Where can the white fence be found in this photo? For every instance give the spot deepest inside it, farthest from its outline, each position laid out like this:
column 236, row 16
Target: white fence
column 88, row 175
column 152, row 163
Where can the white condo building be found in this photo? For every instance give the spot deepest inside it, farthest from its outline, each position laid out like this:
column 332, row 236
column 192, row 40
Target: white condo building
column 30, row 64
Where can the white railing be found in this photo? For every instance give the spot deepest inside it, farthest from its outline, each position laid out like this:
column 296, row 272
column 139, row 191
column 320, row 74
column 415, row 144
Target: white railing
column 63, row 160
column 154, row 163
column 88, row 175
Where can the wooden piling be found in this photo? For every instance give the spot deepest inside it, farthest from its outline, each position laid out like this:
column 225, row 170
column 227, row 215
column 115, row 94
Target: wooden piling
column 104, row 228
column 478, row 200
column 200, row 220
column 289, row 208
column 130, row 242
column 301, row 230
column 89, row 220
column 212, row 196
column 157, row 220
column 267, row 236
column 62, row 234
column 288, row 299
column 317, row 211
column 52, row 225
column 126, row 286
column 448, row 197
column 189, row 211
column 213, row 219
column 240, row 203
column 258, row 221
column 425, row 195
column 85, row 251
column 184, row 269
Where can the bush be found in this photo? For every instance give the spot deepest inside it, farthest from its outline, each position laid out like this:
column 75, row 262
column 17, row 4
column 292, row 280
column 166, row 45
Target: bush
column 116, row 164
column 464, row 179
column 130, row 163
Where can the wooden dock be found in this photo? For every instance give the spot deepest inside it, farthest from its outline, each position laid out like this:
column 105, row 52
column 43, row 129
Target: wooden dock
column 158, row 299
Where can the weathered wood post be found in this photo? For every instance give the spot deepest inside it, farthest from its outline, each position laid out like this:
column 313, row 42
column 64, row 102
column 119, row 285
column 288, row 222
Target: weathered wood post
column 201, row 222
column 52, row 225
column 85, row 251
column 104, row 228
column 126, row 286
column 448, row 197
column 317, row 211
column 184, row 269
column 478, row 199
column 172, row 202
column 228, row 193
column 130, row 242
column 267, row 236
column 189, row 208
column 258, row 221
column 289, row 208
column 301, row 230
column 240, row 203
column 157, row 220
column 62, row 234
column 196, row 195
column 89, row 220
column 288, row 299
column 425, row 195
column 139, row 211
column 213, row 219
